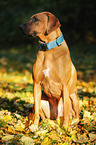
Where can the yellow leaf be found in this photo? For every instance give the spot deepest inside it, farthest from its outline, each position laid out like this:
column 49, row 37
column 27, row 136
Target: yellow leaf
column 84, row 89
column 60, row 120
column 90, row 90
column 82, row 139
column 83, row 135
column 51, row 123
column 64, row 143
column 53, row 135
column 75, row 121
column 20, row 108
column 94, row 116
column 92, row 135
column 73, row 132
column 66, row 127
column 84, row 84
column 11, row 129
column 7, row 137
column 86, row 114
column 46, row 141
column 1, row 133
column 7, row 118
column 19, row 126
column 33, row 127
column 27, row 140
column 29, row 94
column 41, row 132
column 85, row 102
column 73, row 137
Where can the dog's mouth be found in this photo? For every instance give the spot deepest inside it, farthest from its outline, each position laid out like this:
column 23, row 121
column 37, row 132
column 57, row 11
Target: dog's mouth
column 34, row 33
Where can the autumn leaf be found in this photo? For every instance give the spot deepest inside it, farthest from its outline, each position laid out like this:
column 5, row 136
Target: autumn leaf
column 7, row 118
column 73, row 137
column 53, row 135
column 94, row 116
column 19, row 126
column 92, row 136
column 46, row 141
column 82, row 139
column 60, row 120
column 27, row 140
column 7, row 137
column 1, row 133
column 41, row 132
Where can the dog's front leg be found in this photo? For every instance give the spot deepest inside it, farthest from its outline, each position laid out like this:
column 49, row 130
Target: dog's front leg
column 37, row 100
column 66, row 112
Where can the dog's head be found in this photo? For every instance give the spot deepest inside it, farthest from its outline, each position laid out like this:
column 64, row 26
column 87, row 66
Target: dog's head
column 40, row 23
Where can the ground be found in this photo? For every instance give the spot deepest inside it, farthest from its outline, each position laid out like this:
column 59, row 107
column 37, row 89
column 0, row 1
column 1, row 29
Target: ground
column 16, row 100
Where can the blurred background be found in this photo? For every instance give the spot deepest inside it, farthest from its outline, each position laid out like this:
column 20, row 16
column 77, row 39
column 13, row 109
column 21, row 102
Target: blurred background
column 78, row 19
column 78, row 24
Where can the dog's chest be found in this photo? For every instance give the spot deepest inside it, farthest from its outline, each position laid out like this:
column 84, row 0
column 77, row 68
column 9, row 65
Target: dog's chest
column 42, row 68
column 46, row 73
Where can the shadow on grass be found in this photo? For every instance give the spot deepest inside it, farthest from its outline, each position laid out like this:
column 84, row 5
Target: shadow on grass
column 15, row 106
column 17, row 103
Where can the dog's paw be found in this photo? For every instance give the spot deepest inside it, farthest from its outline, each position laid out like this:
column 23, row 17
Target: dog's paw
column 33, row 127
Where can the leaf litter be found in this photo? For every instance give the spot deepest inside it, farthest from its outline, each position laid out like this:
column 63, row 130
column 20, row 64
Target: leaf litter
column 16, row 103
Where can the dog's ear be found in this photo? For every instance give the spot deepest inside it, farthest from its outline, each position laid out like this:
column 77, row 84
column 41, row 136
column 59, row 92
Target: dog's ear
column 53, row 23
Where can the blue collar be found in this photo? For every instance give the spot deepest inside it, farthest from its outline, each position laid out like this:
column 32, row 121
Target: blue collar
column 52, row 44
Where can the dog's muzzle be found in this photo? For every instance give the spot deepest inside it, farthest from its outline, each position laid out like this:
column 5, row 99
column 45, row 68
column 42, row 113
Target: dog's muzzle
column 25, row 29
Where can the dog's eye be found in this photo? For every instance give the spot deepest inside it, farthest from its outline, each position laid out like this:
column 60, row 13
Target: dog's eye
column 35, row 19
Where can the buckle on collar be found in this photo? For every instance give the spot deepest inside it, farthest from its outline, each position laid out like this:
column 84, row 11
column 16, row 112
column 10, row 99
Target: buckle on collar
column 43, row 46
column 57, row 42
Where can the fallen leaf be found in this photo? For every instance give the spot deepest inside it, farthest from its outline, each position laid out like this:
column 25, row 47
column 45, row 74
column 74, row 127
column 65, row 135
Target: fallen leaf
column 92, row 136
column 17, row 115
column 86, row 114
column 84, row 84
column 7, row 118
column 20, row 108
column 1, row 133
column 73, row 132
column 53, row 135
column 94, row 116
column 27, row 140
column 33, row 127
column 41, row 132
column 60, row 120
column 7, row 137
column 51, row 123
column 29, row 105
column 73, row 137
column 82, row 139
column 46, row 141
column 74, row 121
column 64, row 143
column 11, row 129
column 19, row 126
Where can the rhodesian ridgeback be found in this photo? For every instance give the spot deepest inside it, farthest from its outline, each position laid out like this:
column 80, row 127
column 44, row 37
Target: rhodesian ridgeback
column 53, row 70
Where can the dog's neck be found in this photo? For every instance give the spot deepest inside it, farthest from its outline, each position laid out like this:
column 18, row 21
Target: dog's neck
column 52, row 36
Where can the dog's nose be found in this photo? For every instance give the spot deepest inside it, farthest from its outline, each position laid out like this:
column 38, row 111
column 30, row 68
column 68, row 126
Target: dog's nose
column 21, row 26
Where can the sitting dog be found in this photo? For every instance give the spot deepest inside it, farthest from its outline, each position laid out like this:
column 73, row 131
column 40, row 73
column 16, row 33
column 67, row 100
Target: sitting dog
column 53, row 70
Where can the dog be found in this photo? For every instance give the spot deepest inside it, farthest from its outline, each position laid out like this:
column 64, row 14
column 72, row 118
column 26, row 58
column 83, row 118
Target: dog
column 53, row 70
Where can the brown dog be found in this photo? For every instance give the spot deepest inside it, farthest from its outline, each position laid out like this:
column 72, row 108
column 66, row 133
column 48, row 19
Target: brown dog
column 53, row 70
